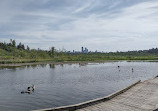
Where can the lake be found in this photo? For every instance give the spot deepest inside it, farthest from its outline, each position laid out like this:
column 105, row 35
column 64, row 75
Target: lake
column 66, row 84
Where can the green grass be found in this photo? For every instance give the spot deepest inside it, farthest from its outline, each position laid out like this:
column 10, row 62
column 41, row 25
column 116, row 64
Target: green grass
column 14, row 55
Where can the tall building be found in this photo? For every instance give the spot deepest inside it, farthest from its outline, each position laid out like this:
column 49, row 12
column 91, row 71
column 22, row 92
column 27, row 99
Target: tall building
column 86, row 50
column 82, row 50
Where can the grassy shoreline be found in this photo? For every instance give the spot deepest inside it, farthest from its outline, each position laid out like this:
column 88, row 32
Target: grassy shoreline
column 11, row 54
column 50, row 61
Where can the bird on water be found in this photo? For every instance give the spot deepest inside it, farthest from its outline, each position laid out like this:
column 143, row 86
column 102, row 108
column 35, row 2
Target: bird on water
column 132, row 70
column 29, row 89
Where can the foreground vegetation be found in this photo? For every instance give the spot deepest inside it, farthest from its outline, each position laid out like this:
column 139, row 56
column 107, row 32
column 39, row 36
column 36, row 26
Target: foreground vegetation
column 12, row 53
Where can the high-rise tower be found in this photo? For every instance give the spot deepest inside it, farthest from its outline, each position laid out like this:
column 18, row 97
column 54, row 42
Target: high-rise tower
column 82, row 50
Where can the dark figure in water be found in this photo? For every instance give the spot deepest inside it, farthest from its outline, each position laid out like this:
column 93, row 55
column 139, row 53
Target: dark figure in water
column 132, row 70
column 22, row 92
column 28, row 88
column 118, row 66
column 33, row 88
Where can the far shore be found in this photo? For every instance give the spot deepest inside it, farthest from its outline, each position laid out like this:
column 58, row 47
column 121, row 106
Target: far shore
column 70, row 62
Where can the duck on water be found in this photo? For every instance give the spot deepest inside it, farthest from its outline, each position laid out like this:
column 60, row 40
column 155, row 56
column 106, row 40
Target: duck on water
column 29, row 89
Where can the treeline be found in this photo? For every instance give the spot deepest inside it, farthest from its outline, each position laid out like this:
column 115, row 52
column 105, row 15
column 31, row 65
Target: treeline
column 18, row 53
column 12, row 43
column 153, row 51
column 12, row 51
column 150, row 51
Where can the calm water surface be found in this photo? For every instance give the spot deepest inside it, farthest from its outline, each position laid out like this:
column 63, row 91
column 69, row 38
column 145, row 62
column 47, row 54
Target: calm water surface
column 58, row 85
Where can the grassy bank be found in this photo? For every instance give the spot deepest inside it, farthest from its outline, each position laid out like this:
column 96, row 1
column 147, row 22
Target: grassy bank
column 10, row 53
column 77, row 58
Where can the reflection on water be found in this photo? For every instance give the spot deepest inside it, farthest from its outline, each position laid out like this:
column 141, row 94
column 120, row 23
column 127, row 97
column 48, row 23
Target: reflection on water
column 8, row 67
column 52, row 66
column 83, row 64
column 64, row 84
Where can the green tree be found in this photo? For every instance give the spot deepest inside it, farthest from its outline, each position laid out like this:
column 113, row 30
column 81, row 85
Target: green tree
column 21, row 46
column 13, row 43
column 52, row 51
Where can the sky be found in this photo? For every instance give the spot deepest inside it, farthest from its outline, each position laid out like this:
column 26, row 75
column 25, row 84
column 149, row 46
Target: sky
column 103, row 25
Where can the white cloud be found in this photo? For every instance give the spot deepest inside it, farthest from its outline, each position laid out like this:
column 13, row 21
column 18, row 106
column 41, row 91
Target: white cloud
column 121, row 28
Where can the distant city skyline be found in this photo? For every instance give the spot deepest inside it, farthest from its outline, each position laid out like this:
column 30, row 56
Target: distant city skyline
column 84, row 50
column 102, row 25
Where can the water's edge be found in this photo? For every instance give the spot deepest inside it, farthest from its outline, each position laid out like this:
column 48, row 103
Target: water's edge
column 72, row 62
